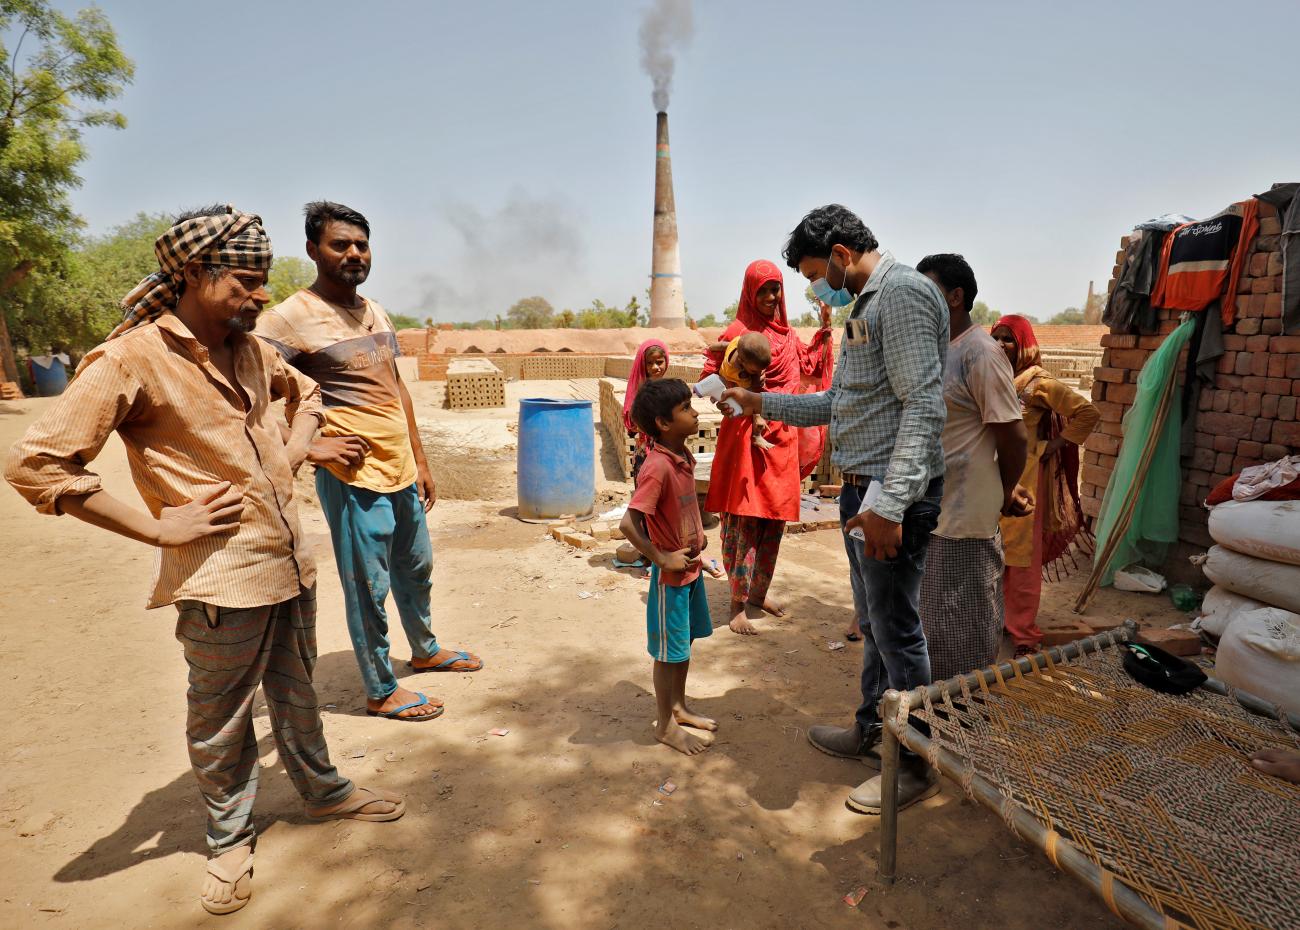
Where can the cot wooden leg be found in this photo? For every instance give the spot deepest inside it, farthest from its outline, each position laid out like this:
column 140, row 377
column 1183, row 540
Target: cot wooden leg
column 887, row 868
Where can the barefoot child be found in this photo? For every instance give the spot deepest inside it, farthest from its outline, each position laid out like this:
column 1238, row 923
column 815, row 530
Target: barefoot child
column 650, row 364
column 745, row 361
column 663, row 523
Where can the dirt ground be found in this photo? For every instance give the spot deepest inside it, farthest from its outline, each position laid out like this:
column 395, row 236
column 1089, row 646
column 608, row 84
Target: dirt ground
column 558, row 824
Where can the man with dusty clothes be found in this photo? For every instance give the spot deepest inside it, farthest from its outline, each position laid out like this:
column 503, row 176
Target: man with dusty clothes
column 886, row 411
column 371, row 475
column 190, row 395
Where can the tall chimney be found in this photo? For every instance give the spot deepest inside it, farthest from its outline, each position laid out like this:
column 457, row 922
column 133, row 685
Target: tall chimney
column 667, row 308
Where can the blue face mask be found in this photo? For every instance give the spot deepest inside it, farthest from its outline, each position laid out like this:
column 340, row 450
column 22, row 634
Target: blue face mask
column 832, row 297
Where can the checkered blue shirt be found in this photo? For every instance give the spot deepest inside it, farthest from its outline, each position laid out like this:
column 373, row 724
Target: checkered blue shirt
column 885, row 404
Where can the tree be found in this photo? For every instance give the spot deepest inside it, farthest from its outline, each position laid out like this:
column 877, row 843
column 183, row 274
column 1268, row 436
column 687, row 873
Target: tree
column 708, row 321
column 59, row 68
column 807, row 319
column 982, row 315
column 403, row 321
column 566, row 319
column 730, row 310
column 290, row 274
column 1070, row 316
column 530, row 313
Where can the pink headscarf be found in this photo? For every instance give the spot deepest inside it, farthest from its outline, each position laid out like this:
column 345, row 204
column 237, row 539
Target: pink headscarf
column 636, row 376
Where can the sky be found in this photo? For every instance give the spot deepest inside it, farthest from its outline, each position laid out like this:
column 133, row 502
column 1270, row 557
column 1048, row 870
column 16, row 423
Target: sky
column 502, row 150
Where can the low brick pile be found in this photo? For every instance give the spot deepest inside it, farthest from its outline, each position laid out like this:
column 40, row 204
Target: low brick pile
column 1247, row 417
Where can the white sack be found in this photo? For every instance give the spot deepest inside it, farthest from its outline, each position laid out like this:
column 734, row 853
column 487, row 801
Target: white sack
column 1260, row 653
column 1275, row 583
column 1265, row 529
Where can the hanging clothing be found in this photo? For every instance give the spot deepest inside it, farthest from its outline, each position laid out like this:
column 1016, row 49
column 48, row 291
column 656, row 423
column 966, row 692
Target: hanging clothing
column 1286, row 197
column 1202, row 261
column 746, row 480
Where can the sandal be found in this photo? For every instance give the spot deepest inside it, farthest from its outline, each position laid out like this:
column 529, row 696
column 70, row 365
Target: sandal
column 445, row 664
column 231, row 877
column 350, row 808
column 396, row 712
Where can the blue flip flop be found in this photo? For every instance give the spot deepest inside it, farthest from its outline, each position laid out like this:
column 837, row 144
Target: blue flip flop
column 394, row 714
column 443, row 665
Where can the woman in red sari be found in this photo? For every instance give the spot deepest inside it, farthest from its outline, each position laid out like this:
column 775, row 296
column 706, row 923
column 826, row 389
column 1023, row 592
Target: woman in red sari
column 756, row 491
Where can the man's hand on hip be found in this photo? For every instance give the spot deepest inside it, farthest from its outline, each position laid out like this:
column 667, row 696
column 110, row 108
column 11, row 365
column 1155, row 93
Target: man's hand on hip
column 214, row 511
column 881, row 538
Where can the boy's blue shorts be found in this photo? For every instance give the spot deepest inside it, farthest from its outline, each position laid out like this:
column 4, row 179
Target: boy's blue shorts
column 674, row 618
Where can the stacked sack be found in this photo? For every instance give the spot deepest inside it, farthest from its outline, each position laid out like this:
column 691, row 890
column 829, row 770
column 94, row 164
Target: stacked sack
column 1254, row 606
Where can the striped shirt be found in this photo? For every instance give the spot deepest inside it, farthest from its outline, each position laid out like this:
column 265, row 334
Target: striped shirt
column 350, row 354
column 885, row 404
column 185, row 429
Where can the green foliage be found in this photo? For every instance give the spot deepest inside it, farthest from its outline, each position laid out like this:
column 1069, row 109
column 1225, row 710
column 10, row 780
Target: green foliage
column 290, row 274
column 76, row 301
column 983, row 315
column 730, row 310
column 1070, row 316
column 51, row 79
column 530, row 313
column 808, row 319
column 403, row 321
column 708, row 321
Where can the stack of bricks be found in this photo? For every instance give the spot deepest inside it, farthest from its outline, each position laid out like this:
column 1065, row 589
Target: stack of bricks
column 1247, row 417
column 612, row 392
column 473, row 383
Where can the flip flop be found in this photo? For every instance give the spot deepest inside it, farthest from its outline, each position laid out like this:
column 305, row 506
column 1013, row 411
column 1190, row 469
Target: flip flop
column 443, row 666
column 350, row 807
column 231, row 877
column 395, row 713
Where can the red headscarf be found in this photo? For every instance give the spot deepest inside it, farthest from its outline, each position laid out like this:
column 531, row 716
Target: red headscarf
column 1022, row 331
column 636, row 376
column 783, row 373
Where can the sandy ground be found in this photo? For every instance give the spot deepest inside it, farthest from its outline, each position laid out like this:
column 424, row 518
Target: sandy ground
column 558, row 824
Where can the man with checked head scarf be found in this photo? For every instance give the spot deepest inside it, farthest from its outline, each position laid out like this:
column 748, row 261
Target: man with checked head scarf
column 189, row 393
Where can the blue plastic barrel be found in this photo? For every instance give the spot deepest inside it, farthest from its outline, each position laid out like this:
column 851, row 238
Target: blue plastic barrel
column 49, row 382
column 557, row 458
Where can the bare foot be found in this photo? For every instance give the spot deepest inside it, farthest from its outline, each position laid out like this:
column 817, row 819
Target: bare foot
column 466, row 663
column 404, row 696
column 228, row 882
column 772, row 607
column 688, row 718
column 743, row 617
column 683, row 742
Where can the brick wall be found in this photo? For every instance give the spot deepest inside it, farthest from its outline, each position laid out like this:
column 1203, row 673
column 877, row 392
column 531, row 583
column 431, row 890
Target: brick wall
column 1248, row 416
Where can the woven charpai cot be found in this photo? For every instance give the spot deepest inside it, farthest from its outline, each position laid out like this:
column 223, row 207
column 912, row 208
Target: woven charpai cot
column 1155, row 789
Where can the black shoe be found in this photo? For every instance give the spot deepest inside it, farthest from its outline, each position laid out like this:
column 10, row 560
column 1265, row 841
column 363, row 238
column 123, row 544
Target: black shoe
column 848, row 742
column 916, row 782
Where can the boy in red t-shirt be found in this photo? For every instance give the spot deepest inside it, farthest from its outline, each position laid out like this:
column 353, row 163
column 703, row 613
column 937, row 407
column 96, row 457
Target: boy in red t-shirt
column 663, row 523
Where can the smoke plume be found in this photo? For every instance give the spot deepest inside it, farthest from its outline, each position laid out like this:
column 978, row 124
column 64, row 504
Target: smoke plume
column 525, row 246
column 668, row 24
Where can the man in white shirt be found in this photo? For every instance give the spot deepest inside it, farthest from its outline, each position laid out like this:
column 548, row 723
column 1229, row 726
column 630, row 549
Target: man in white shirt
column 984, row 445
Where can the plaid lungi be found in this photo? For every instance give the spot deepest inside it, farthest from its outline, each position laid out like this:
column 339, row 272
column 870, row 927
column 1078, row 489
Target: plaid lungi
column 961, row 604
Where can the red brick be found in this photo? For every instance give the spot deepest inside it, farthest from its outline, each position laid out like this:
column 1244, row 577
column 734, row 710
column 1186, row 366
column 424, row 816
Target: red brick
column 1234, row 342
column 1227, row 362
column 1242, row 367
column 1273, row 306
column 1267, row 244
column 1252, row 404
column 1242, row 461
column 1272, row 452
column 1276, row 364
column 1244, row 328
column 1205, row 401
column 1263, row 209
column 1284, row 344
column 1244, row 284
column 1261, row 430
column 1092, row 474
column 1110, row 429
column 1268, row 406
column 1256, row 383
column 1177, row 642
column 1236, row 402
column 1221, row 400
column 1150, row 342
column 1250, row 449
column 1292, row 367
column 1269, row 225
column 1110, row 412
column 1257, row 343
column 1286, row 408
column 1259, row 361
column 1167, row 326
column 1121, row 393
column 1092, row 506
column 1089, row 457
column 1128, row 358
column 1112, row 375
column 1223, row 462
column 1107, row 462
column 1286, row 434
column 1197, row 476
column 1295, row 387
column 1227, row 424
column 1118, row 340
column 1279, row 385
column 1098, row 390
column 1272, row 327
column 1274, row 263
column 1257, row 266
column 1261, row 285
column 1107, row 445
column 1229, row 382
column 1206, row 458
column 1223, row 443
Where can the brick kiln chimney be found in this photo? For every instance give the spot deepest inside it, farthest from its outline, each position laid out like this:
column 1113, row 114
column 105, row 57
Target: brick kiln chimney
column 667, row 308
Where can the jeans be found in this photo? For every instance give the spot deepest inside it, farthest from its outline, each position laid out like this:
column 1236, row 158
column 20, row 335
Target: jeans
column 887, row 598
column 381, row 541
